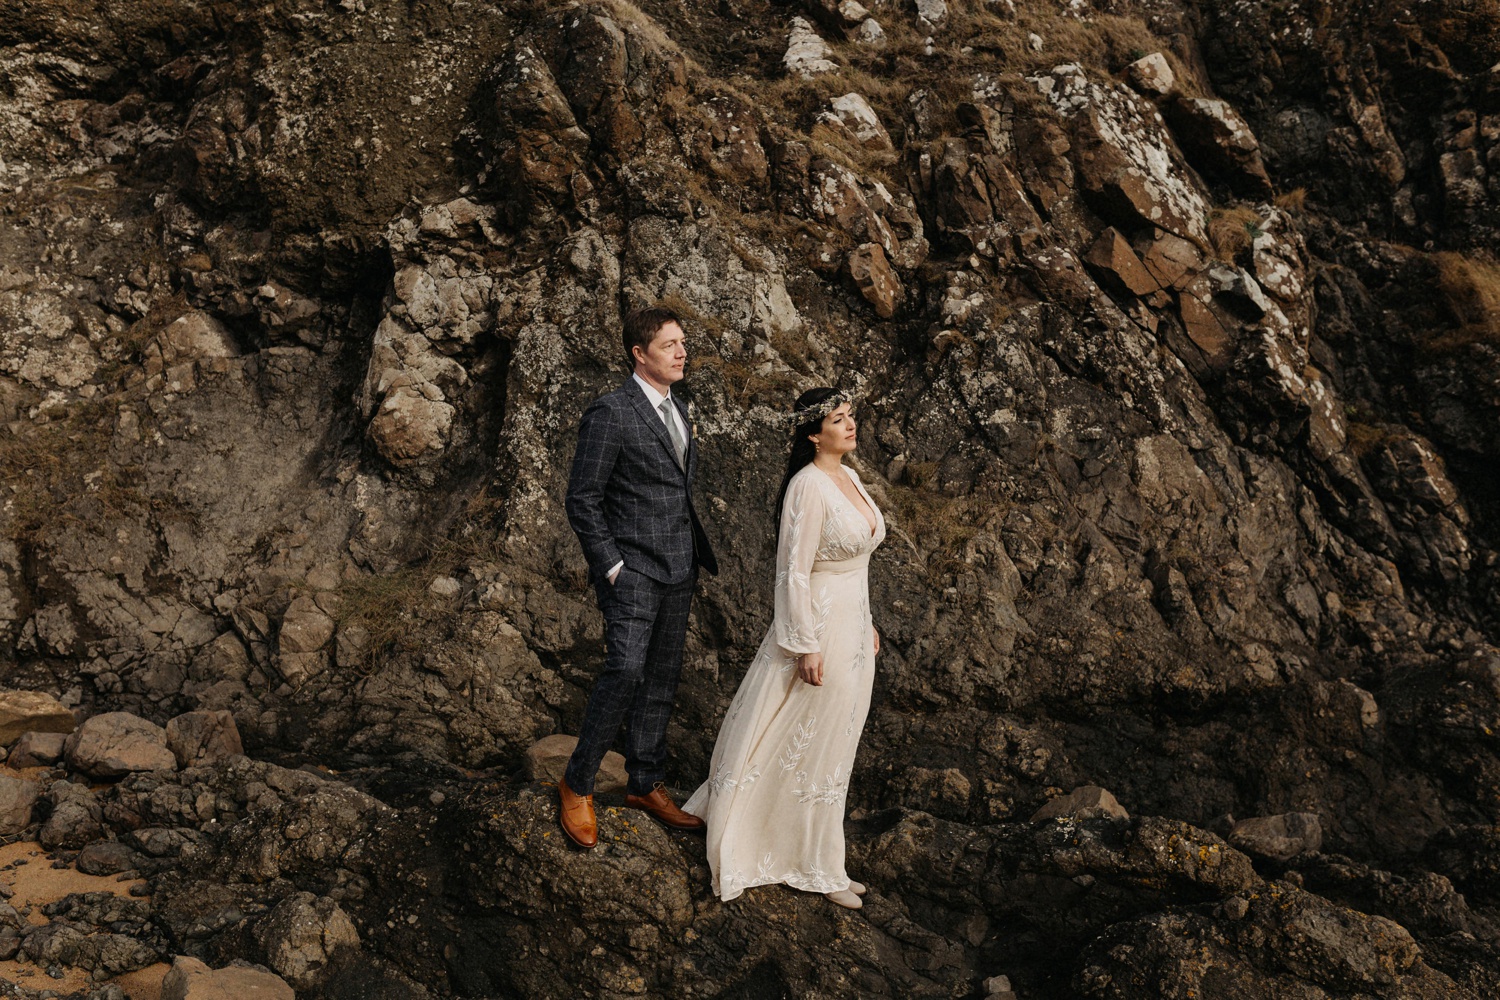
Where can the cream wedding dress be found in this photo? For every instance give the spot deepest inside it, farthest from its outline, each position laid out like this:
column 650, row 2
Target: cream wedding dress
column 774, row 798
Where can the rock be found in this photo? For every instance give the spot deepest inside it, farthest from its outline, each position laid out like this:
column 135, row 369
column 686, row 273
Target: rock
column 998, row 988
column 193, row 336
column 943, row 792
column 869, row 32
column 413, row 423
column 1116, row 266
column 806, row 52
column 1219, row 143
column 76, row 817
column 1171, row 260
column 108, row 857
column 853, row 116
column 547, row 759
column 190, row 979
column 31, row 711
column 1204, row 325
column 876, row 279
column 1280, row 838
column 445, row 587
column 17, row 796
column 306, row 630
column 1133, row 175
column 1152, row 75
column 35, row 749
column 200, row 738
column 931, row 13
column 116, row 743
column 853, row 12
column 1085, row 802
column 302, row 935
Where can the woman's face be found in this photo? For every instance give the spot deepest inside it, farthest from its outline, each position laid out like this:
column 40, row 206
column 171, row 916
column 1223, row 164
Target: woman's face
column 837, row 436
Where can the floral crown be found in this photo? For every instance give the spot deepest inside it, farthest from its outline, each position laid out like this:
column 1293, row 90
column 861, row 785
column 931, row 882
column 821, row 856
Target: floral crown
column 817, row 411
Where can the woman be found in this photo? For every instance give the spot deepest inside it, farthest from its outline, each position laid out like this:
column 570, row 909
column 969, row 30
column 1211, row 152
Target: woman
column 774, row 798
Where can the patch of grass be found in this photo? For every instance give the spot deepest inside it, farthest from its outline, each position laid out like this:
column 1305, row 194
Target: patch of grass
column 1470, row 288
column 379, row 604
column 1292, row 201
column 1365, row 438
column 1232, row 230
column 58, row 475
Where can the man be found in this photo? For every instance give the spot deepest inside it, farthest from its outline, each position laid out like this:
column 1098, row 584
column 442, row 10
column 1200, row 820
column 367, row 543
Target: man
column 630, row 503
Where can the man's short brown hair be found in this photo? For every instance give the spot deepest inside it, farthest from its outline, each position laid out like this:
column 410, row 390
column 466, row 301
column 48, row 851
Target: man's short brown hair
column 641, row 326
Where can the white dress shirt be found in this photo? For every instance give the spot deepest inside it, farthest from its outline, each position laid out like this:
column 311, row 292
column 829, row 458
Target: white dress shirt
column 655, row 399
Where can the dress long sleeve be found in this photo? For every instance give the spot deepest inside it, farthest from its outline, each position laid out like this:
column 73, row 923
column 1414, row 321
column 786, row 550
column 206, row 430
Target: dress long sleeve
column 802, row 516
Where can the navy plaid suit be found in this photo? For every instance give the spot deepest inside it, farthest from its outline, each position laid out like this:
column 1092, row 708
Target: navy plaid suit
column 628, row 499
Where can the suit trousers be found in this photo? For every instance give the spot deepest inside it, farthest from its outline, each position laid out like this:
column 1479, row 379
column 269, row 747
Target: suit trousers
column 645, row 627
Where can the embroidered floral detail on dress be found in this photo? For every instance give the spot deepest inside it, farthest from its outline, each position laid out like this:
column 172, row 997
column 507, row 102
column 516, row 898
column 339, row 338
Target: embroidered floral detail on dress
column 801, row 740
column 763, row 870
column 723, row 779
column 831, row 792
column 822, row 608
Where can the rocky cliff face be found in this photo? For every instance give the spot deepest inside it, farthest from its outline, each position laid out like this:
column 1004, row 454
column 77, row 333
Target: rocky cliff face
column 1179, row 335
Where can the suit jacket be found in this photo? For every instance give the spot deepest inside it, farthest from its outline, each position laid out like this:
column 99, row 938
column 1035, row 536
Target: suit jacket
column 628, row 499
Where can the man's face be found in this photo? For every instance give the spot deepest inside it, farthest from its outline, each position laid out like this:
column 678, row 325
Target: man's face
column 663, row 361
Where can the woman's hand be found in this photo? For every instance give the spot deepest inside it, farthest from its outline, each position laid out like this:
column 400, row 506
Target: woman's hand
column 810, row 668
column 877, row 638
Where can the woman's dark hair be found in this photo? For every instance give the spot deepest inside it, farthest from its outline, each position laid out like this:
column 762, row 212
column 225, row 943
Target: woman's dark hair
column 802, row 449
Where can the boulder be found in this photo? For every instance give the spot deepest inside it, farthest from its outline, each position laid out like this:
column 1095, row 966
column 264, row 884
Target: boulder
column 1085, row 802
column 1279, row 838
column 806, row 52
column 116, row 743
column 876, row 279
column 1170, row 259
column 547, row 758
column 190, row 979
column 931, row 13
column 942, row 792
column 193, row 335
column 412, row 423
column 108, row 857
column 17, row 796
column 1204, row 325
column 28, row 711
column 1152, row 75
column 76, row 817
column 35, row 749
column 197, row 738
column 852, row 116
column 303, row 934
column 1219, row 143
column 1116, row 267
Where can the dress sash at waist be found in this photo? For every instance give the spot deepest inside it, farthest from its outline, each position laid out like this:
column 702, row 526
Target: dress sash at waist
column 840, row 565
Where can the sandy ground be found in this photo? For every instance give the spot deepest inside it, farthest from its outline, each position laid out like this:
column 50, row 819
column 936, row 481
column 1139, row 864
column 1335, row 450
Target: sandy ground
column 37, row 883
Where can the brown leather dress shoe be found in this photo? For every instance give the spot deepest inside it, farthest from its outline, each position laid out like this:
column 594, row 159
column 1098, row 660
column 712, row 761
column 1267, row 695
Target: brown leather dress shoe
column 660, row 805
column 576, row 813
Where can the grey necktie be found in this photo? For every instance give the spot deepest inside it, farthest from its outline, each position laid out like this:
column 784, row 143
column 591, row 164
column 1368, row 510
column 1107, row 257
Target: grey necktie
column 678, row 444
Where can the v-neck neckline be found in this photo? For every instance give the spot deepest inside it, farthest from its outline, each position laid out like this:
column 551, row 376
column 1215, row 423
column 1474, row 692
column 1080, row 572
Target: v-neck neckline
column 859, row 488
